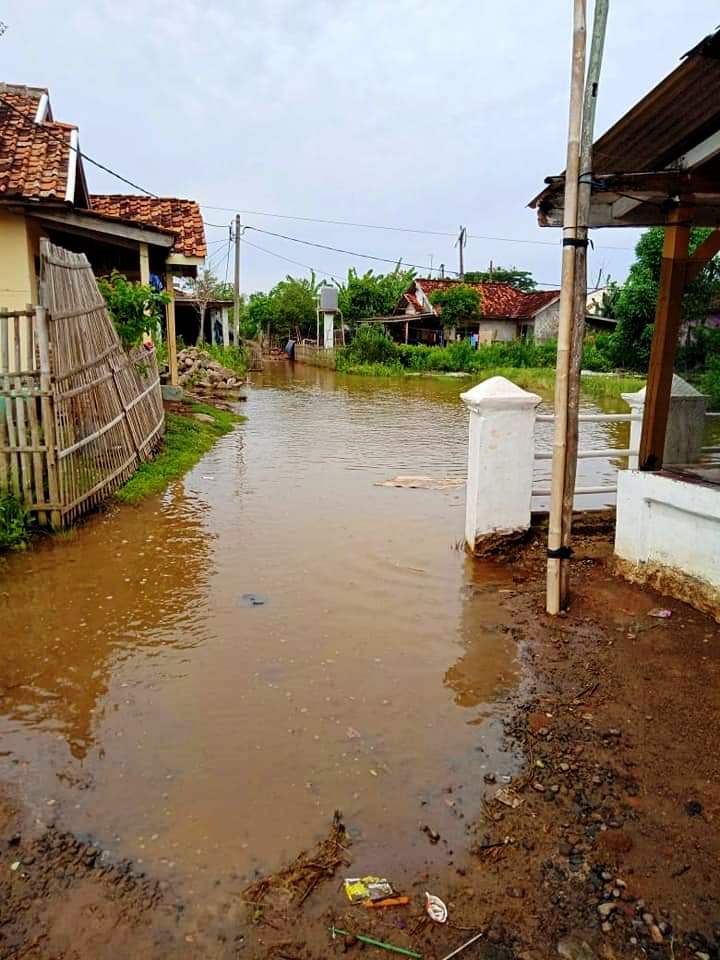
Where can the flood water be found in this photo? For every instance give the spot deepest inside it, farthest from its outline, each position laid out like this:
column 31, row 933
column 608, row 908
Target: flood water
column 197, row 683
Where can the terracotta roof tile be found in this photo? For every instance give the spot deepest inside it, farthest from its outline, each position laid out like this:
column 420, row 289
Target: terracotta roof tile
column 34, row 158
column 498, row 300
column 181, row 216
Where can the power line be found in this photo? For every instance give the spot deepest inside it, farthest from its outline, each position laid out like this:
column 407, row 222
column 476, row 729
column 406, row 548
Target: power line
column 377, row 226
column 287, row 259
column 368, row 256
column 351, row 253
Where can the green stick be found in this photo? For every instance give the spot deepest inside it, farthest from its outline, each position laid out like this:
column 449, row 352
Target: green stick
column 376, row 943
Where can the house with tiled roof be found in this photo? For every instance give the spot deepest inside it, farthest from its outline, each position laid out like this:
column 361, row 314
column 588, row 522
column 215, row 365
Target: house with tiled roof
column 506, row 313
column 44, row 193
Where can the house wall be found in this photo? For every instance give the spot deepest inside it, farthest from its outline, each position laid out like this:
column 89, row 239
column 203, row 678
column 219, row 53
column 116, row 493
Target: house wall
column 492, row 330
column 18, row 285
column 668, row 534
column 547, row 322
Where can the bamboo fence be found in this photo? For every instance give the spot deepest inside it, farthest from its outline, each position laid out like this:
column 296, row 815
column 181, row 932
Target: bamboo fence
column 78, row 414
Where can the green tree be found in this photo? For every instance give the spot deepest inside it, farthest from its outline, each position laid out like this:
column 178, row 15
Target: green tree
column 460, row 305
column 521, row 279
column 371, row 294
column 293, row 304
column 636, row 301
column 134, row 307
column 256, row 316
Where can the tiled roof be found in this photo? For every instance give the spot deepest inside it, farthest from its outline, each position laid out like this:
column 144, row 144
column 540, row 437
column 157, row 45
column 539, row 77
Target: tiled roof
column 498, row 300
column 181, row 216
column 34, row 157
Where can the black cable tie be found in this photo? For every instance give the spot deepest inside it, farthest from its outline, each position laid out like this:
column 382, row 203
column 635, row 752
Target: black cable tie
column 575, row 242
column 562, row 553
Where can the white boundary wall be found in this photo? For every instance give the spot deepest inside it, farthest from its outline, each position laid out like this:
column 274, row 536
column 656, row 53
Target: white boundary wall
column 665, row 521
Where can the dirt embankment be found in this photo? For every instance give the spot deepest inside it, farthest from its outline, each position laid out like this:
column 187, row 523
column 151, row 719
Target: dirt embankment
column 611, row 852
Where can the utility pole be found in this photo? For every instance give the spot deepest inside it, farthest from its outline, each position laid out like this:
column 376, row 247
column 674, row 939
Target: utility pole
column 491, row 271
column 236, row 302
column 460, row 244
column 442, row 271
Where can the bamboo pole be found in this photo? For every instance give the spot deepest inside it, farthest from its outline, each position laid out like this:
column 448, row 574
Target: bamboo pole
column 578, row 330
column 577, row 80
column 170, row 330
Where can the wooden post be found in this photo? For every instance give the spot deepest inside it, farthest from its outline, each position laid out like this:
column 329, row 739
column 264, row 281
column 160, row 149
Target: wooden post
column 47, row 405
column 171, row 343
column 665, row 338
column 144, row 264
column 567, row 306
column 407, row 330
column 577, row 339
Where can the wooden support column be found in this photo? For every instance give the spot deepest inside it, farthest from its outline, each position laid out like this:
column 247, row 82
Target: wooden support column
column 171, row 343
column 144, row 264
column 665, row 339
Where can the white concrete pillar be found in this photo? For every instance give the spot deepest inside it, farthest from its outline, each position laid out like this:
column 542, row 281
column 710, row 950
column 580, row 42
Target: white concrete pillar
column 226, row 326
column 500, row 462
column 685, row 428
column 328, row 330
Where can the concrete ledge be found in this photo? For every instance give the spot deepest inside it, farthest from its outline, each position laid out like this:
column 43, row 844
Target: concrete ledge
column 497, row 543
column 309, row 353
column 668, row 535
column 171, row 393
column 673, row 583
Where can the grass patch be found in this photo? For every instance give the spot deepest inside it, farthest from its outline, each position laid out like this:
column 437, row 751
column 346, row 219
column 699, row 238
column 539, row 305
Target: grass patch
column 610, row 386
column 234, row 358
column 186, row 441
column 529, row 378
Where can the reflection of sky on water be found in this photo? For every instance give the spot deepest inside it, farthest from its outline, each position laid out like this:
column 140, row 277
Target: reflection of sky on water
column 73, row 612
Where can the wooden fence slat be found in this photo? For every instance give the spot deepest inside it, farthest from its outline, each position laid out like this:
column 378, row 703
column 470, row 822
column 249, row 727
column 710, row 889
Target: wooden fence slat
column 13, row 468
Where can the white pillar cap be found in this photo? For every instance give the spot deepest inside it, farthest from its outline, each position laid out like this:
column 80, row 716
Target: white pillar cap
column 680, row 389
column 498, row 393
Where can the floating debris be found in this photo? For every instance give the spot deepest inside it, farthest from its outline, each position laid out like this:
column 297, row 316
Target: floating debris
column 422, row 483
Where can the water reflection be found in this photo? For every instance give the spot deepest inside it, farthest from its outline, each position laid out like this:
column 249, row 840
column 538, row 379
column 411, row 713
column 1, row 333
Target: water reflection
column 71, row 614
column 487, row 668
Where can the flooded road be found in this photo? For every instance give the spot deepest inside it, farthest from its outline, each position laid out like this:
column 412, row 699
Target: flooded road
column 199, row 682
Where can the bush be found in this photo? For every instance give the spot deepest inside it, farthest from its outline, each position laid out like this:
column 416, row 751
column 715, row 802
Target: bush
column 233, row 357
column 133, row 307
column 710, row 383
column 371, row 344
column 15, row 523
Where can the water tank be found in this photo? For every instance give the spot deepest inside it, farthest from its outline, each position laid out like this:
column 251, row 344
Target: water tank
column 328, row 299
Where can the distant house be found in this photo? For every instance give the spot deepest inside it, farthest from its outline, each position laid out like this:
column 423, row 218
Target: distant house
column 43, row 193
column 506, row 313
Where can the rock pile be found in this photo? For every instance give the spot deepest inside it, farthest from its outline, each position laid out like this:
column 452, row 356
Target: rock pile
column 197, row 369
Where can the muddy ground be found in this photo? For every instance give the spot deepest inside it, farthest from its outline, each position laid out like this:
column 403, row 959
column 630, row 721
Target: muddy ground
column 613, row 851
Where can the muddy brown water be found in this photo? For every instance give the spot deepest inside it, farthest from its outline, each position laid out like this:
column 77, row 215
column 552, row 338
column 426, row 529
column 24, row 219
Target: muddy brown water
column 197, row 683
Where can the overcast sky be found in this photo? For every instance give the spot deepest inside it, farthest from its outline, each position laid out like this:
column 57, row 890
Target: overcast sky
column 403, row 113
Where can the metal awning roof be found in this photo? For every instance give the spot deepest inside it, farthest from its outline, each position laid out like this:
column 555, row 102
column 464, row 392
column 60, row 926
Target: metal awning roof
column 665, row 146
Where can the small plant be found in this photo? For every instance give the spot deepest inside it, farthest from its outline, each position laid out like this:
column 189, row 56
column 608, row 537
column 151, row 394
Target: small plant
column 133, row 307
column 232, row 357
column 15, row 523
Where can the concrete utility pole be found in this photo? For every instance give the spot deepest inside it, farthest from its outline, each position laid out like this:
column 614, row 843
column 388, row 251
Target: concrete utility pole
column 460, row 244
column 236, row 302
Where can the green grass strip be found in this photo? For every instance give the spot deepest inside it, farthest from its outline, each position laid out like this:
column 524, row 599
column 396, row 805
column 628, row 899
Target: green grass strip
column 186, row 441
